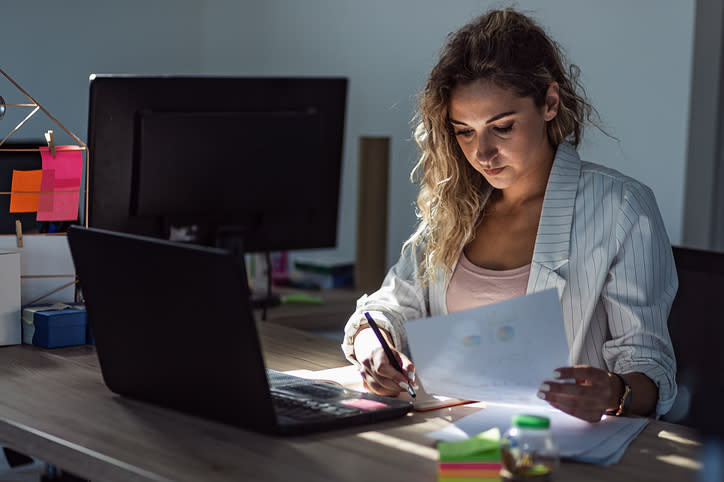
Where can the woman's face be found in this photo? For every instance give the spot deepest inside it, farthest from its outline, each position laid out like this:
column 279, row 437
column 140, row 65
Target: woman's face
column 503, row 135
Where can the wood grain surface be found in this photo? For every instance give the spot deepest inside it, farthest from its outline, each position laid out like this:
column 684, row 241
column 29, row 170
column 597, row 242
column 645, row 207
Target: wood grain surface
column 55, row 406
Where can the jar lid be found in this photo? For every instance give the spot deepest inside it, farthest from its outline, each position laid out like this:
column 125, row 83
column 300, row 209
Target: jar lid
column 531, row 421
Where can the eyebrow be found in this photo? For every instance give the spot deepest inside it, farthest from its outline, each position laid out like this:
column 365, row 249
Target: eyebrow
column 492, row 119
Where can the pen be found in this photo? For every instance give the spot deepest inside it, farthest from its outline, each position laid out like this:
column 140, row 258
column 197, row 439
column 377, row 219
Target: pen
column 388, row 351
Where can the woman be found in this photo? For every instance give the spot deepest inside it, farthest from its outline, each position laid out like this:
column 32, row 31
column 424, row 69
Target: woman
column 507, row 207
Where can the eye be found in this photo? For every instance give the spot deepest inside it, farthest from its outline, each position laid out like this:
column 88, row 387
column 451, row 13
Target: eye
column 503, row 129
column 464, row 133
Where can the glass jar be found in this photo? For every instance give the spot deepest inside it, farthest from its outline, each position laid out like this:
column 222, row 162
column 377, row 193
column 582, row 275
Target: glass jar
column 528, row 450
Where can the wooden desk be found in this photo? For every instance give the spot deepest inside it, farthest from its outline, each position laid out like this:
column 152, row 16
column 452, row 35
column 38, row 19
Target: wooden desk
column 332, row 315
column 54, row 405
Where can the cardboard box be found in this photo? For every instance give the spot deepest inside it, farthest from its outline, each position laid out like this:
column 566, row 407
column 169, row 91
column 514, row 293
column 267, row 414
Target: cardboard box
column 53, row 326
column 10, row 298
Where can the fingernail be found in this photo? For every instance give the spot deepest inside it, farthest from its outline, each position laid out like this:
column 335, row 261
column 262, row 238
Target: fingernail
column 544, row 387
column 404, row 385
column 541, row 395
column 411, row 376
column 556, row 374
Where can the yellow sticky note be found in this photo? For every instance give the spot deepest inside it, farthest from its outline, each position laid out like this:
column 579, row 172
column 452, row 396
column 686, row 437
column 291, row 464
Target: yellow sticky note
column 25, row 191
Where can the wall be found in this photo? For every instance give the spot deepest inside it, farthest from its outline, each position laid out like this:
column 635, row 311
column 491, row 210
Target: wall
column 635, row 57
column 51, row 48
column 704, row 203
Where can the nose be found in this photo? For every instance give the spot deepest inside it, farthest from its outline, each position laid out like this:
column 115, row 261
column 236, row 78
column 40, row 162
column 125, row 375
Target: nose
column 486, row 151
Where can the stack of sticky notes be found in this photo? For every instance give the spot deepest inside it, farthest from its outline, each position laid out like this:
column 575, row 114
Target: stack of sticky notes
column 474, row 459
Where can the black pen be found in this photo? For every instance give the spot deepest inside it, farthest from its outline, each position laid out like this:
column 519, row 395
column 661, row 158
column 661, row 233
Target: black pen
column 388, row 351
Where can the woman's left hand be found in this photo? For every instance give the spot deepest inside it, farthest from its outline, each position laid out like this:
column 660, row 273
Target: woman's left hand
column 585, row 392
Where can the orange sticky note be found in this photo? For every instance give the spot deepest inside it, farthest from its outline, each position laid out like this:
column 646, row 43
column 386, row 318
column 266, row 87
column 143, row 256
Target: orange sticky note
column 25, row 191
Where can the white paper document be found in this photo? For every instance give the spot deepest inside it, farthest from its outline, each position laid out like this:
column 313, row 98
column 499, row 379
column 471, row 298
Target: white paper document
column 500, row 354
column 496, row 353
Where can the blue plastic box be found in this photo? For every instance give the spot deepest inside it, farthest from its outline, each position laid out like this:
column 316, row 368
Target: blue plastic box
column 54, row 328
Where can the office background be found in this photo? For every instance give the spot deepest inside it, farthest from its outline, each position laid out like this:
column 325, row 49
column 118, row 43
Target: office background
column 636, row 59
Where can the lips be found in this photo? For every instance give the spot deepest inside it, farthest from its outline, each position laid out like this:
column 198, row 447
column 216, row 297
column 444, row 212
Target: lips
column 493, row 172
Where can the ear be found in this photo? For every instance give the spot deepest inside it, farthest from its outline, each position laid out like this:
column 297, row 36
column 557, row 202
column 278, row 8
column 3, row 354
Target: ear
column 553, row 98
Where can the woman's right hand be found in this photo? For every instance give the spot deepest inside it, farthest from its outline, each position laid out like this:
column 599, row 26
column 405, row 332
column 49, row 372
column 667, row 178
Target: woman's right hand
column 378, row 374
column 380, row 377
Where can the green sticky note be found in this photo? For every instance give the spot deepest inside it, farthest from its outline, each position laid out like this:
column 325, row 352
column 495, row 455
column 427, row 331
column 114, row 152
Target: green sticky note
column 484, row 447
column 302, row 298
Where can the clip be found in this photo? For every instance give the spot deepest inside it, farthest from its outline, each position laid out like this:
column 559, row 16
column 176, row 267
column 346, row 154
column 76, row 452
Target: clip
column 51, row 141
column 19, row 232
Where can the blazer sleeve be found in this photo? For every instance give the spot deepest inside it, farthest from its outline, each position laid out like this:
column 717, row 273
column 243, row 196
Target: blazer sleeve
column 638, row 294
column 401, row 297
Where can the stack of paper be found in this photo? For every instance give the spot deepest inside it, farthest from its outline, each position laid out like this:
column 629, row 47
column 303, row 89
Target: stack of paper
column 601, row 443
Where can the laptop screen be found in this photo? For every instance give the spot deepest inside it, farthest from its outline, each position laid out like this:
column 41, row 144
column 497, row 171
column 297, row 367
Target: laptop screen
column 173, row 326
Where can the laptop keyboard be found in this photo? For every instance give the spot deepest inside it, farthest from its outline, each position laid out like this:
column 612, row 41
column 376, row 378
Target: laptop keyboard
column 307, row 410
column 313, row 390
column 305, row 403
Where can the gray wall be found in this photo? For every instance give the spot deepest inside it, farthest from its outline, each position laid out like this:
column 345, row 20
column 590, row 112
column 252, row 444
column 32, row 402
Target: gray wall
column 704, row 203
column 635, row 55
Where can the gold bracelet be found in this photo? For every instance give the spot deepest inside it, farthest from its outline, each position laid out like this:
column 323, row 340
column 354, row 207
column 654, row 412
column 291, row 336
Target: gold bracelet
column 625, row 400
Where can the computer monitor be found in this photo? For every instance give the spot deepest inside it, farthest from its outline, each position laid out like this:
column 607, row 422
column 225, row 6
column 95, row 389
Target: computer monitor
column 203, row 158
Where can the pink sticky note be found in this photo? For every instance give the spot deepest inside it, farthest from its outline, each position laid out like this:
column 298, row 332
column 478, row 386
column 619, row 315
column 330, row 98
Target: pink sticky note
column 47, row 186
column 60, row 186
column 364, row 403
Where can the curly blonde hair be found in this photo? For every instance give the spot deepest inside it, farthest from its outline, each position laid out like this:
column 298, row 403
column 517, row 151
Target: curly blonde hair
column 512, row 51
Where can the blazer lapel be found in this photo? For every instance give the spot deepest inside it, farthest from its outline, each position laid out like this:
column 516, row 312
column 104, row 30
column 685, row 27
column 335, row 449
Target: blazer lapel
column 552, row 244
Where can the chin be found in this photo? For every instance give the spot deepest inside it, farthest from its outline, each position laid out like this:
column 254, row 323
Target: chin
column 497, row 183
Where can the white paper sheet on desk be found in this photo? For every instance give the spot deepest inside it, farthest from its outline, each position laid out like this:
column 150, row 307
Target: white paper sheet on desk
column 349, row 377
column 496, row 353
column 600, row 443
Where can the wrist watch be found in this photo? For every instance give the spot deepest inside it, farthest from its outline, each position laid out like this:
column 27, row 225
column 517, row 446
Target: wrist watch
column 625, row 400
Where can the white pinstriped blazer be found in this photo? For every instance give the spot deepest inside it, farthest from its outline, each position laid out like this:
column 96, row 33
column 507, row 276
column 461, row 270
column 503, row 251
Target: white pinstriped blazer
column 602, row 243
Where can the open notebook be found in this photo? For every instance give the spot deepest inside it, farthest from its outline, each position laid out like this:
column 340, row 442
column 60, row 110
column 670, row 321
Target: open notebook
column 173, row 326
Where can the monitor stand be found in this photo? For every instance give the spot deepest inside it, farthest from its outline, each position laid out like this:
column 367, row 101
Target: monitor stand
column 266, row 299
column 233, row 240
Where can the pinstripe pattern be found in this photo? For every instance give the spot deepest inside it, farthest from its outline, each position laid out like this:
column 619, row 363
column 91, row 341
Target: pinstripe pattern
column 602, row 243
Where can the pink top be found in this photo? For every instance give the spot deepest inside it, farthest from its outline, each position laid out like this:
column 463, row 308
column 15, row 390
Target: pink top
column 472, row 286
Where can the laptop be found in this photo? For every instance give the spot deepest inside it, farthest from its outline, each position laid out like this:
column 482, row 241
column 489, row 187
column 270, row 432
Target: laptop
column 173, row 326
